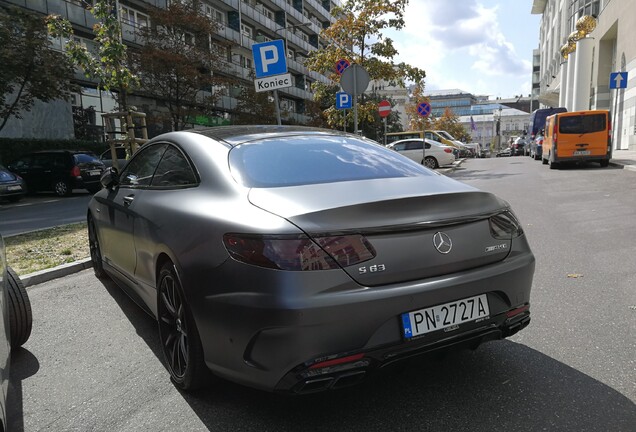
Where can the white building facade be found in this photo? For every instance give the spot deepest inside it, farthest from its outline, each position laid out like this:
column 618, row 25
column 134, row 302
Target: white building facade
column 581, row 79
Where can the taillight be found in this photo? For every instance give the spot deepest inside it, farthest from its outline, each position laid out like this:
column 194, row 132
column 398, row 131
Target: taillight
column 298, row 253
column 75, row 172
column 447, row 150
column 505, row 226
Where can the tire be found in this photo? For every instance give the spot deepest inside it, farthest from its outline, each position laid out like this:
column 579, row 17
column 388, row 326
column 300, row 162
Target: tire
column 178, row 334
column 553, row 165
column 544, row 161
column 604, row 163
column 15, row 198
column 20, row 314
column 62, row 188
column 430, row 162
column 96, row 252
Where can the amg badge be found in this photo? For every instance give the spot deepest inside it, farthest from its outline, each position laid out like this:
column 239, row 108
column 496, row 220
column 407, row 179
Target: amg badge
column 496, row 247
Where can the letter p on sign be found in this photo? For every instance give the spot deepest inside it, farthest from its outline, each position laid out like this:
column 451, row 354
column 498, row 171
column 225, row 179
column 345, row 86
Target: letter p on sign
column 269, row 58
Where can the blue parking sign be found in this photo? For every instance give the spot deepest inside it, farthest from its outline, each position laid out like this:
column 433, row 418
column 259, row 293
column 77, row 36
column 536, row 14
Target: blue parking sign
column 269, row 58
column 343, row 100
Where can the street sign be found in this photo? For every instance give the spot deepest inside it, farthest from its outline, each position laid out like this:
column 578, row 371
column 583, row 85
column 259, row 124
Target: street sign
column 269, row 58
column 354, row 74
column 618, row 80
column 341, row 65
column 424, row 109
column 273, row 82
column 343, row 100
column 384, row 108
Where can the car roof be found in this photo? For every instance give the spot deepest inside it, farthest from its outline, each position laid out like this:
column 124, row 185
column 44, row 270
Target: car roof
column 235, row 135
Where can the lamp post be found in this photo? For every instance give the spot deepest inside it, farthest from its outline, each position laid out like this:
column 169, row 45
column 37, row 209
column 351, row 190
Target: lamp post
column 498, row 125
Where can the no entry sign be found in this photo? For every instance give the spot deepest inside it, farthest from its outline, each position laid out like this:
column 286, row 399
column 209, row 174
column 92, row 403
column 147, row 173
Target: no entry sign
column 384, row 108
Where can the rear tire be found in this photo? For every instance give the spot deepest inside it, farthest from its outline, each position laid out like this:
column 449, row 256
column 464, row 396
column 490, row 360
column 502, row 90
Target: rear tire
column 180, row 341
column 96, row 252
column 430, row 162
column 62, row 188
column 604, row 163
column 20, row 313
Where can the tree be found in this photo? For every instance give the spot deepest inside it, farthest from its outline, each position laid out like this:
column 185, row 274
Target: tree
column 254, row 107
column 177, row 60
column 449, row 122
column 357, row 36
column 416, row 121
column 111, row 65
column 29, row 69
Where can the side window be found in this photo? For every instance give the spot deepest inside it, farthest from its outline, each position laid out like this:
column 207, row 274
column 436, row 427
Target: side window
column 173, row 170
column 414, row 145
column 25, row 162
column 43, row 160
column 428, row 146
column 399, row 147
column 140, row 170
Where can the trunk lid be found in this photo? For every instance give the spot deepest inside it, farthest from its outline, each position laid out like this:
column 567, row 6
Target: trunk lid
column 410, row 222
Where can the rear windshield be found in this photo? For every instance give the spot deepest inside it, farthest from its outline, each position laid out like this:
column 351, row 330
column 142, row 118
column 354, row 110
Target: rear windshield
column 582, row 124
column 85, row 158
column 293, row 161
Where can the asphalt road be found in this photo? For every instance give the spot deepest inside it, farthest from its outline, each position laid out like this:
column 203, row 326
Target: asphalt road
column 93, row 362
column 41, row 211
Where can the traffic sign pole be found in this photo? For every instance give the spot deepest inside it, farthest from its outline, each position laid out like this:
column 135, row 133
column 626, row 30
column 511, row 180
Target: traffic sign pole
column 277, row 105
column 355, row 106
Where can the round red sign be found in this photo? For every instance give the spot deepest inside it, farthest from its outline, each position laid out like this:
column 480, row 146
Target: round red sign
column 384, row 108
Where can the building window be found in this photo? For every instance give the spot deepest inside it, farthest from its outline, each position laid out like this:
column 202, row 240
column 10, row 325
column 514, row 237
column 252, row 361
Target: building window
column 246, row 30
column 133, row 17
column 213, row 14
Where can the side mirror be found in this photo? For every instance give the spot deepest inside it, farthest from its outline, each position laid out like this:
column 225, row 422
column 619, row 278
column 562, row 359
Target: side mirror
column 109, row 178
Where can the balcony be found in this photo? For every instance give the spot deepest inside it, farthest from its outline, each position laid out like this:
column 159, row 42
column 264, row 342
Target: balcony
column 74, row 13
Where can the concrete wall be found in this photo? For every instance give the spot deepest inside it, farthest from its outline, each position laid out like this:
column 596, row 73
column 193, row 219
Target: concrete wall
column 52, row 120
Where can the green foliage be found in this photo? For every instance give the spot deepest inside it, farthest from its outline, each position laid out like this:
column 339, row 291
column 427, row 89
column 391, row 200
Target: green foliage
column 11, row 148
column 29, row 69
column 357, row 36
column 254, row 107
column 111, row 64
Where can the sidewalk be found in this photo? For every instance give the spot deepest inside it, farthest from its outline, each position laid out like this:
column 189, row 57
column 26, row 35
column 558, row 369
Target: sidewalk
column 625, row 159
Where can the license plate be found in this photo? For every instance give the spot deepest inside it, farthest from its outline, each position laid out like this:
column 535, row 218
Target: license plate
column 94, row 173
column 581, row 153
column 443, row 316
column 14, row 188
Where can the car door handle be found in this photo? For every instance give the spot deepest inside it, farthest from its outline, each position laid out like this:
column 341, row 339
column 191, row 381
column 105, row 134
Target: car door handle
column 128, row 200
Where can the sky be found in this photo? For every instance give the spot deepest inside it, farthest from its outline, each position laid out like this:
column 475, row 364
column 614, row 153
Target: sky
column 480, row 46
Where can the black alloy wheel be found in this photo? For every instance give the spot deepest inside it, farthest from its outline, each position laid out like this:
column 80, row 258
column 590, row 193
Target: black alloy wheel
column 96, row 253
column 178, row 334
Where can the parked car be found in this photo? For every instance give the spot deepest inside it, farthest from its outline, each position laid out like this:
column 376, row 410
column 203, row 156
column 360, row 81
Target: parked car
column 475, row 150
column 12, row 186
column 59, row 171
column 300, row 259
column 436, row 155
column 16, row 321
column 518, row 147
column 504, row 153
column 536, row 146
column 107, row 158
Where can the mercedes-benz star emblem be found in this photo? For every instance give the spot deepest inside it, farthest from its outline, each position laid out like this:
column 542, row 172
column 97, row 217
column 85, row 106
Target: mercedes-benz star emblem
column 442, row 242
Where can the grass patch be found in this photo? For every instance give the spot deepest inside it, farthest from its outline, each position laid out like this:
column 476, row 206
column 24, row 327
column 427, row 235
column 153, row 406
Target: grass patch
column 44, row 249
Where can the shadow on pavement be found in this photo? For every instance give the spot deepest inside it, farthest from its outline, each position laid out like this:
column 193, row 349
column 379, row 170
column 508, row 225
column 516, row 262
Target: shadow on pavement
column 23, row 365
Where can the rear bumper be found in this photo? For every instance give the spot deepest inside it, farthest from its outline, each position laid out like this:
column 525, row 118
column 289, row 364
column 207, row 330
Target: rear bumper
column 267, row 332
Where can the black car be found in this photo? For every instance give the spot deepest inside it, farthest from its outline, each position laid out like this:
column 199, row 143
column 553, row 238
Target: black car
column 12, row 187
column 59, row 171
column 518, row 147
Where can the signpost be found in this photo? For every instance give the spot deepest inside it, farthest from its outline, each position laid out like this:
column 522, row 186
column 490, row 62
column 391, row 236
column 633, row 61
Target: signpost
column 354, row 80
column 384, row 109
column 424, row 109
column 618, row 81
column 270, row 65
column 343, row 102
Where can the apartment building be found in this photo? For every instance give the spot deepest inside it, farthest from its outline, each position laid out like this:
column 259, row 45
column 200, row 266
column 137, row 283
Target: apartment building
column 241, row 24
column 578, row 54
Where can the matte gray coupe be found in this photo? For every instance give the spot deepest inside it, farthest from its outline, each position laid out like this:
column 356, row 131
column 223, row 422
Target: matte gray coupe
column 297, row 260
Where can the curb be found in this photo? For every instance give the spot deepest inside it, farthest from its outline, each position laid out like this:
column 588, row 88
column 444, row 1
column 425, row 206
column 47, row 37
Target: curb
column 55, row 272
column 623, row 166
